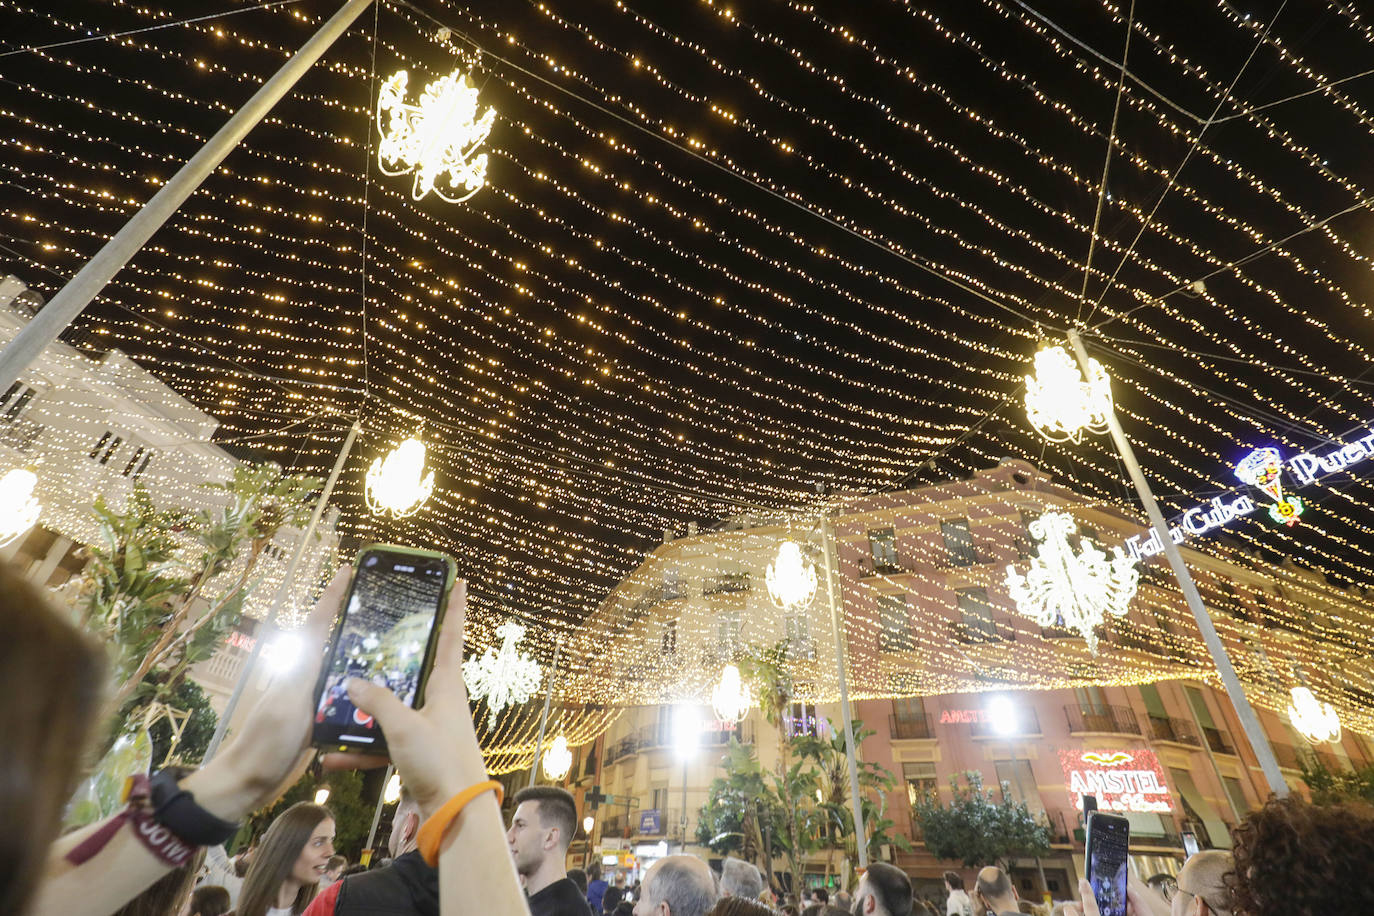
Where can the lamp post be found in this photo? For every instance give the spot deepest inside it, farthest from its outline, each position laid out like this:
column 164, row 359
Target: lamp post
column 1092, row 402
column 588, row 823
column 1006, row 721
column 686, row 736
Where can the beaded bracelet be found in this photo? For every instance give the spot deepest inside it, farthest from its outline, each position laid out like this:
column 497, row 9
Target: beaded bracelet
column 431, row 835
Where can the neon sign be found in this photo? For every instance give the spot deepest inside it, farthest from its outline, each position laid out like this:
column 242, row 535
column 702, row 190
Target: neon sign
column 1263, row 469
column 1121, row 780
column 962, row 716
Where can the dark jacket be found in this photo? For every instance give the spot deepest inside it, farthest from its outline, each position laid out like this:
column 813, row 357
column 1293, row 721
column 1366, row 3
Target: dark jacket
column 561, row 898
column 406, row 887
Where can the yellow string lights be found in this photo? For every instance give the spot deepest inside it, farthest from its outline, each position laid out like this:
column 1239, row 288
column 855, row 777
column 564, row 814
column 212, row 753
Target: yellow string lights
column 617, row 338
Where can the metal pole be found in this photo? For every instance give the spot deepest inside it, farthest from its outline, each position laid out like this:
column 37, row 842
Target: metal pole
column 381, row 800
column 1249, row 722
column 544, row 716
column 44, row 327
column 1016, row 774
column 682, row 819
column 307, row 535
column 856, row 803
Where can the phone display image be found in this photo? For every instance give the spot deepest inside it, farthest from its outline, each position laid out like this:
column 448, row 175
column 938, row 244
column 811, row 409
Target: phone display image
column 1107, row 848
column 386, row 637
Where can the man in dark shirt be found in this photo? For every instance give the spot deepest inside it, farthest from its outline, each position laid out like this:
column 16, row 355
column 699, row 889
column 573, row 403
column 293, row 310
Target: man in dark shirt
column 543, row 825
column 406, row 887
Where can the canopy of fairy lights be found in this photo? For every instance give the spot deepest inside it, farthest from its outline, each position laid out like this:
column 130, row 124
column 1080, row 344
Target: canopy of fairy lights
column 725, row 267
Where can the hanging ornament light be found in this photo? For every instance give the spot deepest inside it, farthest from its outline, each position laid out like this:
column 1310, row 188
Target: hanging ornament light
column 557, row 759
column 436, row 138
column 19, row 509
column 791, row 578
column 1060, row 404
column 1263, row 469
column 395, row 484
column 502, row 678
column 1316, row 721
column 731, row 699
column 1062, row 588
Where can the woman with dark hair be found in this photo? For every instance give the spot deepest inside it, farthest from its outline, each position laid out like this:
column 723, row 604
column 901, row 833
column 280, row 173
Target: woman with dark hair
column 290, row 861
column 208, row 900
column 958, row 902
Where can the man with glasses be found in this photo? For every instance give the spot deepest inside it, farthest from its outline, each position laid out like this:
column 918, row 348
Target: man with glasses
column 1201, row 888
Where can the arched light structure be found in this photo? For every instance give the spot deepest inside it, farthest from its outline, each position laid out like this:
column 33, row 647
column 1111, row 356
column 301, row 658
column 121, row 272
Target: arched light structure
column 1060, row 404
column 19, row 509
column 1317, row 721
column 397, row 484
column 731, row 699
column 436, row 138
column 557, row 759
column 791, row 579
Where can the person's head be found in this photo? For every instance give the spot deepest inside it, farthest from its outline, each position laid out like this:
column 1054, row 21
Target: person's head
column 884, row 890
column 1201, row 886
column 611, row 899
column 739, row 878
column 953, row 881
column 789, row 909
column 993, row 892
column 541, row 828
column 578, row 877
column 405, row 825
column 677, row 886
column 625, row 908
column 738, row 906
column 335, row 866
column 295, row 850
column 60, row 675
column 594, row 871
column 243, row 860
column 843, row 900
column 820, row 895
column 620, row 879
column 1295, row 857
column 208, row 900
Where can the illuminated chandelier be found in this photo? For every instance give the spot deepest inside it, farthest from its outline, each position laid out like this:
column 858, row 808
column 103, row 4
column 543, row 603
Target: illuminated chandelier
column 434, row 138
column 557, row 759
column 394, row 483
column 19, row 509
column 1073, row 590
column 503, row 678
column 1316, row 721
column 1059, row 404
column 791, row 579
column 731, row 699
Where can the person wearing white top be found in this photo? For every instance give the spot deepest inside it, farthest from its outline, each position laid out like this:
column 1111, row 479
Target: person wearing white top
column 959, row 903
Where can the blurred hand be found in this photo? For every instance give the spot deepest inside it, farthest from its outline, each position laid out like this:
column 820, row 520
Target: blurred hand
column 1136, row 903
column 435, row 748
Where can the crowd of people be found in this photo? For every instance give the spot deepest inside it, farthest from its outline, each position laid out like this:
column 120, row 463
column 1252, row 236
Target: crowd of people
column 452, row 853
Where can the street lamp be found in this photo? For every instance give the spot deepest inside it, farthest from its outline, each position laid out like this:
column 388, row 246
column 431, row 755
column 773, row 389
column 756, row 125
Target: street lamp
column 686, row 735
column 1061, row 405
column 588, row 823
column 392, row 793
column 19, row 509
column 1005, row 720
column 557, row 759
column 322, row 795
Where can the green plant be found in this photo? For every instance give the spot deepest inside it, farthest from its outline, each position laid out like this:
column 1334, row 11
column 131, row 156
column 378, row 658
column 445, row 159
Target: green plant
column 977, row 829
column 742, row 814
column 1333, row 787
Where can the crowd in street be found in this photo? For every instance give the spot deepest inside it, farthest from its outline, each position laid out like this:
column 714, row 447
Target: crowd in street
column 452, row 851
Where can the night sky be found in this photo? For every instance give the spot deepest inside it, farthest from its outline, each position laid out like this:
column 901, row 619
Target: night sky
column 726, row 253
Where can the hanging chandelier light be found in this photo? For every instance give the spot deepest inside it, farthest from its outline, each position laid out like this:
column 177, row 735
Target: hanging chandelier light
column 502, row 678
column 731, row 699
column 394, row 483
column 791, row 578
column 19, row 509
column 557, row 759
column 1316, row 721
column 436, row 138
column 1060, row 404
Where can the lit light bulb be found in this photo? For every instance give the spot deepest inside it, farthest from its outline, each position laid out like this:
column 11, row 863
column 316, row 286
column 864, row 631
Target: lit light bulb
column 436, row 137
column 322, row 795
column 392, row 793
column 395, row 484
column 790, row 578
column 1316, row 721
column 686, row 730
column 1001, row 715
column 18, row 507
column 1059, row 404
column 557, row 759
column 588, row 823
column 282, row 653
column 731, row 699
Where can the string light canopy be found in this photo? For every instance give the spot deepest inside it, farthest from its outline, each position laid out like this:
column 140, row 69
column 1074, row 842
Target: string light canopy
column 557, row 759
column 435, row 139
column 19, row 508
column 1314, row 720
column 791, row 578
column 397, row 484
column 502, row 677
column 1076, row 590
column 731, row 698
column 1062, row 405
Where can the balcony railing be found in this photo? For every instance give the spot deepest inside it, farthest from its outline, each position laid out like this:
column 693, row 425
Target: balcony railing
column 869, row 566
column 1118, row 720
column 983, row 632
column 1218, row 740
column 725, row 583
column 1180, row 731
column 911, row 727
column 1027, row 723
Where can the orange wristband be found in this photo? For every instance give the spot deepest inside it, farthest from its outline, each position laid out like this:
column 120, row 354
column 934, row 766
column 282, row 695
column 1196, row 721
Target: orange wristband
column 431, row 835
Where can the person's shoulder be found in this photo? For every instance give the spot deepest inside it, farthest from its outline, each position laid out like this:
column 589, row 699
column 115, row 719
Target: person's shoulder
column 325, row 902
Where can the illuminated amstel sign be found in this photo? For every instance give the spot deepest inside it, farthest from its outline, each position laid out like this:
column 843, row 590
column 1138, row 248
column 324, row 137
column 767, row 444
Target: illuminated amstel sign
column 1121, row 780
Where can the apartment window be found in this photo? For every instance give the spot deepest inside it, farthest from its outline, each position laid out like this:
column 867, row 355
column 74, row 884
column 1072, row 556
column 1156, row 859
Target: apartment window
column 895, row 621
column 1091, row 699
column 1018, row 782
column 921, row 780
column 1025, row 542
column 670, row 637
column 1236, row 793
column 959, row 542
column 1154, row 704
column 660, row 799
column 106, row 446
column 976, row 611
column 727, row 629
column 15, row 400
column 802, row 720
column 909, row 708
column 797, row 632
column 882, row 546
column 134, row 460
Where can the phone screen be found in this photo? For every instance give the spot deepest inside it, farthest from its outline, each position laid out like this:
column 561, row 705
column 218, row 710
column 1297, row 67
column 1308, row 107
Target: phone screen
column 1108, row 843
column 386, row 636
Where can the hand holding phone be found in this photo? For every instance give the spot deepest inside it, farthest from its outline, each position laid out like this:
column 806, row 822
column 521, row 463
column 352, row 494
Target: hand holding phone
column 1106, row 849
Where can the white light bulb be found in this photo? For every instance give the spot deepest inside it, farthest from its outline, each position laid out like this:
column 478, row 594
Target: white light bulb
column 790, row 578
column 397, row 484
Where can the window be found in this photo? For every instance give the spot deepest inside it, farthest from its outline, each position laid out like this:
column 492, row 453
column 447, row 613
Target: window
column 895, row 621
column 660, row 799
column 910, row 708
column 801, row 719
column 133, row 461
column 728, row 630
column 1019, row 782
column 797, row 632
column 1236, row 792
column 1154, row 704
column 920, row 780
column 976, row 611
column 100, row 444
column 670, row 637
column 882, row 546
column 1025, row 542
column 959, row 542
column 1091, row 699
column 106, row 446
column 15, row 400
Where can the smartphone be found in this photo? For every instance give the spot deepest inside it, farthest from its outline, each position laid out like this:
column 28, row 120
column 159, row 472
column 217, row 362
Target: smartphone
column 1108, row 839
column 388, row 634
column 1190, row 846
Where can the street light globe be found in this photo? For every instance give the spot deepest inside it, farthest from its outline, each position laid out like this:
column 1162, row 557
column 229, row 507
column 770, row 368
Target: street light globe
column 1001, row 715
column 790, row 578
column 18, row 507
column 282, row 653
column 686, row 729
column 731, row 699
column 588, row 823
column 1060, row 404
column 557, row 759
column 392, row 793
column 397, row 484
column 1317, row 721
column 322, row 795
